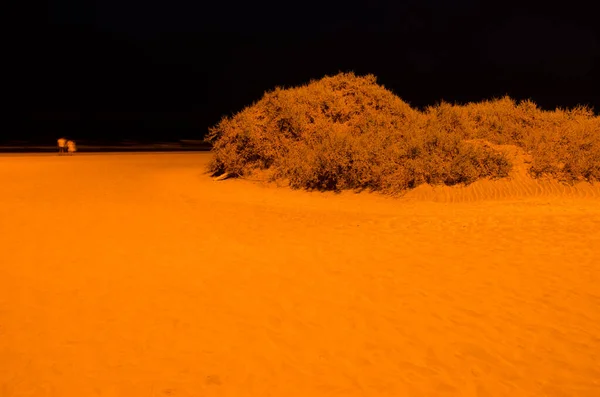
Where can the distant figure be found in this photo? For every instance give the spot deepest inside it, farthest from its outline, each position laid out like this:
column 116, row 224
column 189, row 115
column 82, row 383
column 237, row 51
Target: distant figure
column 62, row 145
column 71, row 148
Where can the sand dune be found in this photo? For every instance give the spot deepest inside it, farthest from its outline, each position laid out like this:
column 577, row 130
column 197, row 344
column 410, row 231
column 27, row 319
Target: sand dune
column 138, row 275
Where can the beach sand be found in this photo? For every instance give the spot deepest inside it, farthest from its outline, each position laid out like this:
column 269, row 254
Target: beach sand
column 139, row 275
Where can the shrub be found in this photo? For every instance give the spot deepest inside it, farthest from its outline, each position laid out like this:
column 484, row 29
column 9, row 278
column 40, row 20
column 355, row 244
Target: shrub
column 348, row 132
column 564, row 144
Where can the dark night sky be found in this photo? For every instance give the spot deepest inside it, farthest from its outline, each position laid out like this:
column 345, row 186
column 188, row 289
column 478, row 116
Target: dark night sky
column 136, row 69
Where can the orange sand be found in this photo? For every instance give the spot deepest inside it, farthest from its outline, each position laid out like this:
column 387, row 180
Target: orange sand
column 138, row 275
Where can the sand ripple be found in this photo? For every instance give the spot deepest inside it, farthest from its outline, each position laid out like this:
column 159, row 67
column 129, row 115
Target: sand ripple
column 157, row 281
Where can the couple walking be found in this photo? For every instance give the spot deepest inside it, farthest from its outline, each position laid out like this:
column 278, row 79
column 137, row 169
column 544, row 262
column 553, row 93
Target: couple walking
column 66, row 146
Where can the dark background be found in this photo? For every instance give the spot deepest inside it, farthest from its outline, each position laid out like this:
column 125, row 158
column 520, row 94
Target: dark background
column 116, row 70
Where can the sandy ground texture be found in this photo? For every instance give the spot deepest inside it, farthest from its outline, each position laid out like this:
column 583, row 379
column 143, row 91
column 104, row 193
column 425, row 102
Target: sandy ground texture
column 139, row 275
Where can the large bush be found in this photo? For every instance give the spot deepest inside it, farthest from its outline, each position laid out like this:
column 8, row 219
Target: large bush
column 346, row 132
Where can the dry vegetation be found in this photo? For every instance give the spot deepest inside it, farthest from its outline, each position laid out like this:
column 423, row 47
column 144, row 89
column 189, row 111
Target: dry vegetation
column 348, row 132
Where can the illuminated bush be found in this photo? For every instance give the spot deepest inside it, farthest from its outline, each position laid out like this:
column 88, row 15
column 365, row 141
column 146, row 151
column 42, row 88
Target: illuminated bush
column 564, row 144
column 348, row 132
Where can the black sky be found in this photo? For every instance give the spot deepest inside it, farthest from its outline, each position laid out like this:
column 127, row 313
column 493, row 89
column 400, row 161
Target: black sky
column 164, row 71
